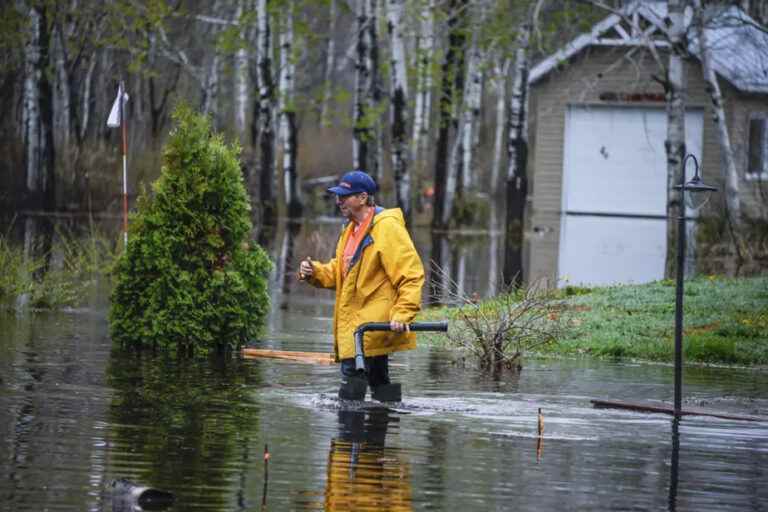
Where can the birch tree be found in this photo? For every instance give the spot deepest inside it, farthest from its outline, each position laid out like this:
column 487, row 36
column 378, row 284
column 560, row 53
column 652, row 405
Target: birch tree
column 330, row 63
column 516, row 182
column 423, row 107
column 265, row 130
column 473, row 90
column 398, row 105
column 675, row 143
column 288, row 130
column 499, row 84
column 37, row 109
column 242, row 88
column 62, row 89
column 452, row 176
column 86, row 98
column 731, row 177
column 210, row 100
column 361, row 131
column 375, row 95
column 450, row 82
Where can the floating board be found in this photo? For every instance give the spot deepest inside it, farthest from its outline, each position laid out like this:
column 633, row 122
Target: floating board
column 669, row 409
column 301, row 357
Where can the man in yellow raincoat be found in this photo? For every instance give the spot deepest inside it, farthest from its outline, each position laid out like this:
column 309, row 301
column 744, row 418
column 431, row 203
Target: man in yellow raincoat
column 378, row 277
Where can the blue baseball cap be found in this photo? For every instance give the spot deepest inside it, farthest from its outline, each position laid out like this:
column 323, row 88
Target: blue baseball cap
column 354, row 182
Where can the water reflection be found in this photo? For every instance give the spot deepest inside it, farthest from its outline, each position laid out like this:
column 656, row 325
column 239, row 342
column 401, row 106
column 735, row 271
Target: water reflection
column 286, row 266
column 363, row 473
column 460, row 266
column 192, row 421
column 674, row 463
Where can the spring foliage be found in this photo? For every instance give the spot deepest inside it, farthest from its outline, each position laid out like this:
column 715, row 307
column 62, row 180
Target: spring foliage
column 190, row 278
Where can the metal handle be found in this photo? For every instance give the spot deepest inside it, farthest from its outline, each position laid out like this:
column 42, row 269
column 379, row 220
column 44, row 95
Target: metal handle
column 441, row 326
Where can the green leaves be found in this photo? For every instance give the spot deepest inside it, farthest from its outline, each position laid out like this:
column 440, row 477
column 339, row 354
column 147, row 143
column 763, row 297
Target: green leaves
column 190, row 277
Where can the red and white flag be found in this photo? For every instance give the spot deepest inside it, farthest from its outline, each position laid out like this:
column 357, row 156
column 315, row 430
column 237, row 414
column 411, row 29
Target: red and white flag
column 114, row 115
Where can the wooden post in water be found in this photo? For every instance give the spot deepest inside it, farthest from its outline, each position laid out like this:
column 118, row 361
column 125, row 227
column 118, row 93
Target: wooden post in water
column 266, row 477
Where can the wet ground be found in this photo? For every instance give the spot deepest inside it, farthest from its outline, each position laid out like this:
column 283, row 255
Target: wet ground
column 74, row 415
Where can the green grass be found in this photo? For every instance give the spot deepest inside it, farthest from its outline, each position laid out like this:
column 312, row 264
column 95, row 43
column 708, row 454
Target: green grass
column 725, row 321
column 42, row 282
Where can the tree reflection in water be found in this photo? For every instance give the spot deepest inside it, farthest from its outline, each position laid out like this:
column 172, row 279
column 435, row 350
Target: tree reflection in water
column 364, row 474
column 183, row 425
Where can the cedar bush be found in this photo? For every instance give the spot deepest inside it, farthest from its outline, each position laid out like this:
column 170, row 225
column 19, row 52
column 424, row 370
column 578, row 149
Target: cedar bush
column 190, row 279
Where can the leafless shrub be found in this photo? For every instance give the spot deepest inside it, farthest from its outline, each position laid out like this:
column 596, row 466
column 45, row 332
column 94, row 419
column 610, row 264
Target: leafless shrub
column 500, row 330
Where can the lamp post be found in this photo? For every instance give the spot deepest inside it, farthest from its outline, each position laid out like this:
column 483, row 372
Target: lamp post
column 696, row 188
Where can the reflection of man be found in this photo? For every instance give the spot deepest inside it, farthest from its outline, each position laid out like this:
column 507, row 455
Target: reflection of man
column 362, row 473
column 378, row 277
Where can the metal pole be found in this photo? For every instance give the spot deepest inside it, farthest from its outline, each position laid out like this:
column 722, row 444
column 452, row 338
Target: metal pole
column 679, row 295
column 125, row 164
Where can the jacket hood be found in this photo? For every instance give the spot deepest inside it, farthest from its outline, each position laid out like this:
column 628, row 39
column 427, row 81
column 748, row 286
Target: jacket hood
column 394, row 214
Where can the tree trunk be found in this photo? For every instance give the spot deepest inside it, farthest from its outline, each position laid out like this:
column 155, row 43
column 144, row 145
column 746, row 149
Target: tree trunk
column 159, row 94
column 210, row 96
column 375, row 150
column 675, row 143
column 37, row 113
column 266, row 131
column 399, row 106
column 423, row 108
column 288, row 132
column 472, row 97
column 452, row 176
column 62, row 92
column 731, row 177
column 451, row 67
column 500, row 87
column 361, row 131
column 241, row 79
column 517, row 151
column 330, row 59
column 86, row 97
column 493, row 261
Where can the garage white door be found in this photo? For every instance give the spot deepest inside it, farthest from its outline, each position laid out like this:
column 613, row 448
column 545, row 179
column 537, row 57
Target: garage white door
column 613, row 227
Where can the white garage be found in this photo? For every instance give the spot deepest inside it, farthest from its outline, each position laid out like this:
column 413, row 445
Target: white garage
column 614, row 193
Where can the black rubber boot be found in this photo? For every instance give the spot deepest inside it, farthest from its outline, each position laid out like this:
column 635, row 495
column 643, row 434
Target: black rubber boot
column 353, row 388
column 387, row 392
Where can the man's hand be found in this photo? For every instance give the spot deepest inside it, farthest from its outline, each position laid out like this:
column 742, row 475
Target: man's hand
column 305, row 269
column 399, row 326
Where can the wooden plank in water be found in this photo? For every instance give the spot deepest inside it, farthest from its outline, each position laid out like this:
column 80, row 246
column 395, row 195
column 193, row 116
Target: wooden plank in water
column 669, row 409
column 302, row 357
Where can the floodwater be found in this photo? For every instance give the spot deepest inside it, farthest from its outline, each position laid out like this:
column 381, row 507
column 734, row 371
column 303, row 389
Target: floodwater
column 76, row 414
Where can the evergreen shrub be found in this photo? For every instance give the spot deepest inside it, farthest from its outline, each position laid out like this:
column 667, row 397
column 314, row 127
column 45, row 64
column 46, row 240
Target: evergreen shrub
column 190, row 279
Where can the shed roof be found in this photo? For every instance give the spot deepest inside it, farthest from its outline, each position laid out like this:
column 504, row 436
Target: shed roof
column 739, row 44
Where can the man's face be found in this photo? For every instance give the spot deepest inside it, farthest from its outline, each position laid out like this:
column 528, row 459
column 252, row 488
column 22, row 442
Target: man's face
column 351, row 205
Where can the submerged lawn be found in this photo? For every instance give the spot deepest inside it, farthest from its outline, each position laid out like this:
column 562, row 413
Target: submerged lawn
column 725, row 321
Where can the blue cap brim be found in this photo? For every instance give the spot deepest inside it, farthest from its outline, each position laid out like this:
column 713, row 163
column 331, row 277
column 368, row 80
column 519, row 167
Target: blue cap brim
column 341, row 191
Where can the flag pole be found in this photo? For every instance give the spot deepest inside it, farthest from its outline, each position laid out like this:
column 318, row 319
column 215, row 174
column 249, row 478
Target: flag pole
column 125, row 164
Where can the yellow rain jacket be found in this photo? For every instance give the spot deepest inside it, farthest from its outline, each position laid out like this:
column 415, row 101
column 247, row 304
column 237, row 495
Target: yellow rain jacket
column 383, row 284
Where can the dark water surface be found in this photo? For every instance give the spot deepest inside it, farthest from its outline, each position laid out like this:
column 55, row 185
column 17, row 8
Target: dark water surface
column 75, row 415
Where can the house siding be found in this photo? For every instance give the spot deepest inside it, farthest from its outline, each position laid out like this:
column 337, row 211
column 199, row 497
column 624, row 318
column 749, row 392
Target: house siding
column 599, row 70
column 740, row 109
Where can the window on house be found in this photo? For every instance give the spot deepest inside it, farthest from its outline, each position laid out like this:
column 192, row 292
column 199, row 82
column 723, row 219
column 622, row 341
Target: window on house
column 758, row 149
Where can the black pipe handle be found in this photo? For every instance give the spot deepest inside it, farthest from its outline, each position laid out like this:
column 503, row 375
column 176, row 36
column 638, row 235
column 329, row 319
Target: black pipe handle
column 441, row 326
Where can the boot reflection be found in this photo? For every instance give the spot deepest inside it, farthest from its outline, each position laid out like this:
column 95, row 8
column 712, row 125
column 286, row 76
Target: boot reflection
column 363, row 474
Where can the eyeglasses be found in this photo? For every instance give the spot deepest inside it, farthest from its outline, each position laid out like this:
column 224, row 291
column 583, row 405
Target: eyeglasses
column 341, row 199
